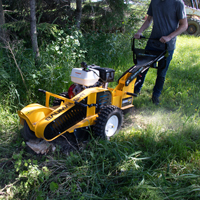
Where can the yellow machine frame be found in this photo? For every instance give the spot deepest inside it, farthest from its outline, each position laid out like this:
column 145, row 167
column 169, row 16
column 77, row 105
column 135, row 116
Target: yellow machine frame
column 83, row 109
column 38, row 116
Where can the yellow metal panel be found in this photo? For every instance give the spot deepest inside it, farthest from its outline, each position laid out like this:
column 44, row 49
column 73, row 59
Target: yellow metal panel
column 117, row 93
column 120, row 91
column 41, row 125
column 117, row 101
column 129, row 88
column 91, row 100
column 34, row 113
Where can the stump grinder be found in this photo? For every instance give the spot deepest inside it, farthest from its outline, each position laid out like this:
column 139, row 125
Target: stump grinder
column 89, row 101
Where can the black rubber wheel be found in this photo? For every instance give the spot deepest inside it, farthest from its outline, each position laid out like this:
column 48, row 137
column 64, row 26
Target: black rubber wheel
column 57, row 101
column 189, row 3
column 193, row 27
column 108, row 122
column 27, row 133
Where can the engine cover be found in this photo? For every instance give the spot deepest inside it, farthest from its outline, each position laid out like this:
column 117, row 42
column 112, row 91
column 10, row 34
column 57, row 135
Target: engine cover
column 83, row 77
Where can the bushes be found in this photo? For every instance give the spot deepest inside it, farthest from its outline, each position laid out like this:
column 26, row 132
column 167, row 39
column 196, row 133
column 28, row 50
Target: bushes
column 58, row 58
column 22, row 76
column 61, row 49
column 107, row 49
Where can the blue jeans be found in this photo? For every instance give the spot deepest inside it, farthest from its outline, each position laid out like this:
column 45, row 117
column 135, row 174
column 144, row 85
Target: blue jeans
column 161, row 74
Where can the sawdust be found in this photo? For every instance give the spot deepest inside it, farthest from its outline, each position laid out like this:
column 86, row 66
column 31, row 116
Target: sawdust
column 134, row 119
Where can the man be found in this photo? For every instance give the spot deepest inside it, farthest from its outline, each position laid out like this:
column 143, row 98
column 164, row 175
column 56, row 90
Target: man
column 169, row 20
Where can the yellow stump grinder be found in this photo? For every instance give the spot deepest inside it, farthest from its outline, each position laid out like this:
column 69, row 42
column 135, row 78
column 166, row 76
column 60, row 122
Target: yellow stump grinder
column 89, row 102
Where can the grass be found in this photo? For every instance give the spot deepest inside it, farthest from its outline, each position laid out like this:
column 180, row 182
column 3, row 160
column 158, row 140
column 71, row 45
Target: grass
column 155, row 155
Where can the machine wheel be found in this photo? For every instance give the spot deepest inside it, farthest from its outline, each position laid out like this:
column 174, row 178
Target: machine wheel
column 27, row 133
column 108, row 122
column 57, row 101
column 193, row 27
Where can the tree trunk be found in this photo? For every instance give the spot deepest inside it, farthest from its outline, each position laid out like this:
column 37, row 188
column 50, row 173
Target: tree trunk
column 78, row 13
column 34, row 29
column 2, row 22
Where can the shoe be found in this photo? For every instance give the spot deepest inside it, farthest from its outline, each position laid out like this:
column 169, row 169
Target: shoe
column 155, row 100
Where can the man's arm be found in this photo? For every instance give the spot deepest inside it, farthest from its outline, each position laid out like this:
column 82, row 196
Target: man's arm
column 183, row 25
column 145, row 25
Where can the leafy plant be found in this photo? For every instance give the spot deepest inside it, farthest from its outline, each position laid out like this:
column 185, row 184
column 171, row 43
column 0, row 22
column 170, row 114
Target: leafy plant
column 59, row 58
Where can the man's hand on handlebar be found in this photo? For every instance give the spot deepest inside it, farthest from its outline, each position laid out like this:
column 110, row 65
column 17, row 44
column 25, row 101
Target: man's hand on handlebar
column 137, row 35
column 165, row 39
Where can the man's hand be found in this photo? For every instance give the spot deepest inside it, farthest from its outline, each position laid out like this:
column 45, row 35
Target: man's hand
column 137, row 35
column 165, row 39
column 183, row 25
column 145, row 25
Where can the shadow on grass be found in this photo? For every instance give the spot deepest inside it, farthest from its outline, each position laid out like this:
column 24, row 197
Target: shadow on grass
column 163, row 146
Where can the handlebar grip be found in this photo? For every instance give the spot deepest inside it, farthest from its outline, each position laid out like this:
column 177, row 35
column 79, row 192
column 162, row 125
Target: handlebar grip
column 41, row 90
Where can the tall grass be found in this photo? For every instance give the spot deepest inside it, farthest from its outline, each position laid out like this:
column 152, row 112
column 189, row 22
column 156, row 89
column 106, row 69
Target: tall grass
column 155, row 155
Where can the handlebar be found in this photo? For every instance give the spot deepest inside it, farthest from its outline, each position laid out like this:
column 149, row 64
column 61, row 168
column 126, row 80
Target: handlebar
column 143, row 37
column 135, row 49
column 41, row 90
